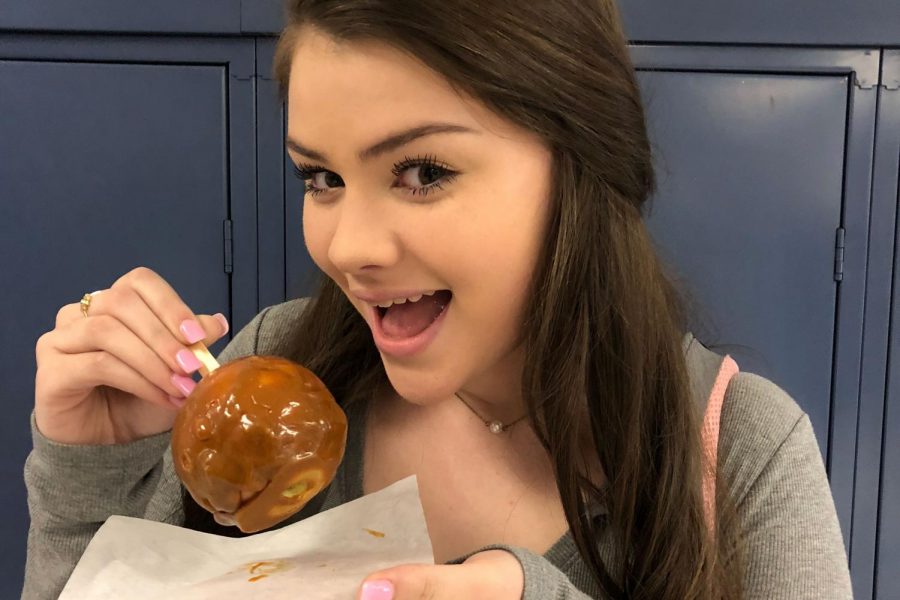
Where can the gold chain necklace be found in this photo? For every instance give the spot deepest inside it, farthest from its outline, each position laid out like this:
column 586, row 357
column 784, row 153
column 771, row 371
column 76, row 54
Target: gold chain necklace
column 494, row 426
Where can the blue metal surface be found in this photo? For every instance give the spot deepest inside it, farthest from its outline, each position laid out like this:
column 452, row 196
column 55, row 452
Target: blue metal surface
column 240, row 93
column 237, row 55
column 887, row 195
column 749, row 203
column 764, row 152
column 237, row 100
column 261, row 16
column 115, row 155
column 808, row 22
column 270, row 179
column 159, row 16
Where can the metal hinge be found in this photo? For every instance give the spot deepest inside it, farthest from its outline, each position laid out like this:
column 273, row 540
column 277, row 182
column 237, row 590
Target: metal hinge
column 839, row 255
column 229, row 246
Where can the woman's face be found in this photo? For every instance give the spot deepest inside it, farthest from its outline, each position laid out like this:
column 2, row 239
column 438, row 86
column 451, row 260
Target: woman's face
column 461, row 204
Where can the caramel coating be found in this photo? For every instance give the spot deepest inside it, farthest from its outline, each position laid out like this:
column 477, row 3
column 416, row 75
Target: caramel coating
column 257, row 439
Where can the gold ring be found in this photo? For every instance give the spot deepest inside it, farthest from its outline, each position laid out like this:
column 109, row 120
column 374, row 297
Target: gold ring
column 85, row 304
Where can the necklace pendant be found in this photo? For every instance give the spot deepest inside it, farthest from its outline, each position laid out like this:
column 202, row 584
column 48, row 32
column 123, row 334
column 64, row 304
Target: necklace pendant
column 495, row 426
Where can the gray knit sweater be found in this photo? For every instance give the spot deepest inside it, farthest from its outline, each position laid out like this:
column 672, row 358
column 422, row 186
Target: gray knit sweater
column 766, row 447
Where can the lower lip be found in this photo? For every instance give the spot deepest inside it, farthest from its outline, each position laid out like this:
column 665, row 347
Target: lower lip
column 403, row 347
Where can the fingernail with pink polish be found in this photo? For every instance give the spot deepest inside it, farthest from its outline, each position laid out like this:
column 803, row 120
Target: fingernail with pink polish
column 187, row 361
column 221, row 318
column 192, row 331
column 380, row 589
column 184, row 384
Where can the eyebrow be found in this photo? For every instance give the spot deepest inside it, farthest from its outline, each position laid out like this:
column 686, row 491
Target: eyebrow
column 388, row 144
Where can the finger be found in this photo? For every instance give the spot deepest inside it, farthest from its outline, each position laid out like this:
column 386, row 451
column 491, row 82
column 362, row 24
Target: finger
column 107, row 334
column 494, row 574
column 166, row 304
column 125, row 304
column 216, row 324
column 71, row 312
column 418, row 582
column 87, row 370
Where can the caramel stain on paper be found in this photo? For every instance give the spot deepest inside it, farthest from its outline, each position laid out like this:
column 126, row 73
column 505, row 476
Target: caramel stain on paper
column 262, row 569
column 374, row 533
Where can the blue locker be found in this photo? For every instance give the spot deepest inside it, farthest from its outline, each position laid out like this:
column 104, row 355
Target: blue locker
column 159, row 16
column 116, row 153
column 807, row 22
column 804, row 22
column 764, row 158
column 888, row 192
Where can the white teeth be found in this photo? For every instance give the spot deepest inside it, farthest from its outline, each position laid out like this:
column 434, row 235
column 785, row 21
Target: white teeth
column 390, row 303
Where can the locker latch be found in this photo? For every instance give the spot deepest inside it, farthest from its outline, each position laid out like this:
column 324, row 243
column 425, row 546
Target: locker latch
column 839, row 255
column 227, row 239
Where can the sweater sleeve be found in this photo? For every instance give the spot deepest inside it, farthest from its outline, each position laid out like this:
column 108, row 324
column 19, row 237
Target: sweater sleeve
column 543, row 580
column 769, row 455
column 793, row 539
column 73, row 489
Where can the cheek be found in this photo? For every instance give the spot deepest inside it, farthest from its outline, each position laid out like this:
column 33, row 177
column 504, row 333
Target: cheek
column 501, row 236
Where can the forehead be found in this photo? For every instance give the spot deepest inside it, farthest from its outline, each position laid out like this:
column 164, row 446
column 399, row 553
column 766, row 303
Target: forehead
column 368, row 88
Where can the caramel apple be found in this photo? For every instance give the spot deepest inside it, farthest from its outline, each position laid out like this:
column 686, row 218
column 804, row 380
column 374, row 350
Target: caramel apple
column 257, row 439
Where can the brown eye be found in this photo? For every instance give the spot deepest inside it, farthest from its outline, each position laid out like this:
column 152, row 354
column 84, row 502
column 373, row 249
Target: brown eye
column 422, row 175
column 317, row 179
column 324, row 180
column 430, row 173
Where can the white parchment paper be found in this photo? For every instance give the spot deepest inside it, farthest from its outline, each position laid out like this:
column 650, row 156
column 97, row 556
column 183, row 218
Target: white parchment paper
column 325, row 556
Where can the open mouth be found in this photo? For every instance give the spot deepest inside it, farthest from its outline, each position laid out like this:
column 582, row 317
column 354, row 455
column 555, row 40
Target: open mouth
column 409, row 319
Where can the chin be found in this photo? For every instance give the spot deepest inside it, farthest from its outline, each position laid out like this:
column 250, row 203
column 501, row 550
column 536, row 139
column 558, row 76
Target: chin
column 412, row 389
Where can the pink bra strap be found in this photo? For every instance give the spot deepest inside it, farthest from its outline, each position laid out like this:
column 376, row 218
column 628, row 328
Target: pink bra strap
column 710, row 438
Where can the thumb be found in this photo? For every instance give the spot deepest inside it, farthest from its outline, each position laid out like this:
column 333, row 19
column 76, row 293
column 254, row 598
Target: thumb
column 418, row 582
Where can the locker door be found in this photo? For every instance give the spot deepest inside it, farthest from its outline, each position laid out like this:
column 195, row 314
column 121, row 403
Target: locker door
column 764, row 163
column 116, row 154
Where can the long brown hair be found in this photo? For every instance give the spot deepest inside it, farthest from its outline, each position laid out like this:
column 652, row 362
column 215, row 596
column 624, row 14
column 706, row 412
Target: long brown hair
column 561, row 69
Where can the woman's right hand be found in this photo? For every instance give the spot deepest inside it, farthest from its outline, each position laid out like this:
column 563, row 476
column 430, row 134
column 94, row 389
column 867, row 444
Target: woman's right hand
column 122, row 372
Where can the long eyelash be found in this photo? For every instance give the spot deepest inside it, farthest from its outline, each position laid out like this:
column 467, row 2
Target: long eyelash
column 420, row 161
column 425, row 161
column 304, row 173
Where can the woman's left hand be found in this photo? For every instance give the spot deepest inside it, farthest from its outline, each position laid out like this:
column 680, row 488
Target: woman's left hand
column 488, row 575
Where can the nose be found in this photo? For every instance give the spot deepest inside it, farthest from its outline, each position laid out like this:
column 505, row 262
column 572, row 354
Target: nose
column 363, row 236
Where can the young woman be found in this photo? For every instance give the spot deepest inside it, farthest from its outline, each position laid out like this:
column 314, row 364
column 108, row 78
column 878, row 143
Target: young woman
column 493, row 318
